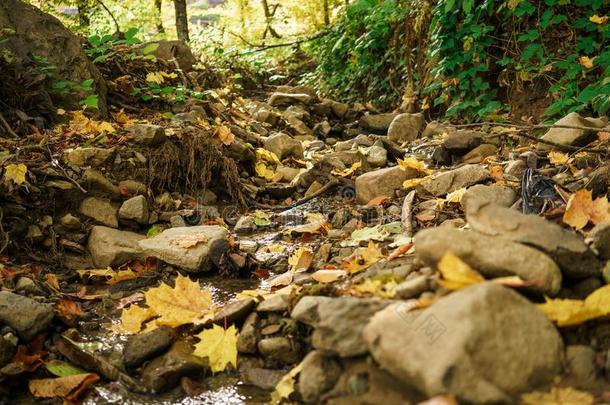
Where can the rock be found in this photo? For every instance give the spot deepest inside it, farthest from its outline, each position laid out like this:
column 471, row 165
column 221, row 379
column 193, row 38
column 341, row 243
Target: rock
column 406, row 127
column 132, row 188
column 27, row 286
column 322, row 129
column 318, row 375
column 569, row 136
column 135, row 209
column 354, row 143
column 381, row 182
column 146, row 345
column 413, row 287
column 434, row 128
column 566, row 248
column 284, row 99
column 266, row 115
column 377, row 123
column 247, row 339
column 284, row 145
column 490, row 255
column 279, row 349
column 148, row 135
column 580, row 362
column 468, row 344
column 100, row 210
column 196, row 258
column 170, row 50
column 460, row 142
column 110, row 247
column 478, row 154
column 338, row 322
column 234, row 312
column 176, row 221
column 275, row 303
column 340, row 110
column 165, row 372
column 245, row 224
column 90, row 156
column 8, row 347
column 26, row 316
column 514, row 170
column 310, row 91
column 481, row 194
column 262, row 378
column 455, row 179
column 96, row 181
column 600, row 236
column 288, row 173
column 70, row 222
column 377, row 156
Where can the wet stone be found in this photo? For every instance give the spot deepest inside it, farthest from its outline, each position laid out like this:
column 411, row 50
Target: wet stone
column 165, row 372
column 26, row 316
column 144, row 346
column 234, row 312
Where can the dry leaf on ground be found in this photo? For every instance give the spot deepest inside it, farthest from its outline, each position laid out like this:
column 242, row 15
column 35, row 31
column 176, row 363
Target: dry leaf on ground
column 69, row 309
column 300, row 260
column 15, row 173
column 558, row 396
column 285, row 387
column 582, row 209
column 456, row 274
column 71, row 387
column 132, row 319
column 362, row 258
column 109, row 276
column 190, row 241
column 328, row 276
column 219, row 346
column 414, row 164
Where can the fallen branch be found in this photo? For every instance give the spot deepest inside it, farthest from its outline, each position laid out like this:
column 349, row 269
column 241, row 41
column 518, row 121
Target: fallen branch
column 263, row 47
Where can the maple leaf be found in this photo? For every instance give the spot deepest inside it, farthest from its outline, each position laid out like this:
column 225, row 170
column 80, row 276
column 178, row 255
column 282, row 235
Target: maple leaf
column 301, row 259
column 568, row 312
column 456, row 274
column 110, row 276
column 362, row 258
column 414, row 164
column 558, row 158
column 582, row 209
column 183, row 304
column 219, row 346
column 132, row 319
column 15, row 173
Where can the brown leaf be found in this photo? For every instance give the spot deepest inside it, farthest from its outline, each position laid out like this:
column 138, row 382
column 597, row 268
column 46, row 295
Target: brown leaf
column 379, row 200
column 51, row 279
column 582, row 209
column 225, row 135
column 69, row 309
column 71, row 387
column 30, row 356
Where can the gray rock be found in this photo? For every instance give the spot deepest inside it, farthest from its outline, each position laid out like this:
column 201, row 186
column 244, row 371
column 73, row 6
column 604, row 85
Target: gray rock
column 248, row 337
column 478, row 154
column 377, row 156
column 469, row 344
column 245, row 224
column 279, row 349
column 481, row 194
column 275, row 303
column 381, row 182
column 266, row 115
column 148, row 135
column 283, row 99
column 322, row 129
column 580, row 361
column 135, row 209
column 166, row 246
column 262, row 378
column 490, row 255
column 337, row 322
column 318, row 375
column 96, row 181
column 176, row 221
column 566, row 248
column 299, row 127
column 283, row 145
column 26, row 316
column 354, row 143
column 90, row 156
column 406, row 127
column 569, row 136
column 434, row 128
column 100, row 210
column 377, row 123
column 234, row 312
column 8, row 347
column 147, row 345
column 165, row 372
column 340, row 110
column 413, row 287
column 455, row 179
column 110, row 247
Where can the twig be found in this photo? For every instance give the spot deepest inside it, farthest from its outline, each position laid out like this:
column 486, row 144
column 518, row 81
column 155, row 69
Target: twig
column 8, row 127
column 569, row 148
column 263, row 47
column 116, row 24
column 55, row 163
column 518, row 127
column 334, row 182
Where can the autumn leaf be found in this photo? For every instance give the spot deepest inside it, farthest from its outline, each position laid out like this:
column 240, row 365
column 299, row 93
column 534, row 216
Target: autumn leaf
column 183, row 304
column 317, row 225
column 328, row 276
column 301, row 259
column 379, row 200
column 412, row 183
column 362, row 258
column 225, row 135
column 349, row 171
column 190, row 241
column 15, row 173
column 70, row 387
column 558, row 158
column 219, row 346
column 69, row 309
column 374, row 287
column 109, row 276
column 568, row 312
column 159, row 77
column 456, row 274
column 456, row 196
column 586, row 62
column 582, row 209
column 285, row 387
column 558, row 396
column 600, row 20
column 122, row 118
column 62, row 369
column 132, row 319
column 410, row 163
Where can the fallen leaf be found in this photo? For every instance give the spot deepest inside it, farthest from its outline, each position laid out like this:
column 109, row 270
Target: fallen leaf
column 375, row 288
column 30, row 356
column 159, row 77
column 69, row 309
column 558, row 158
column 349, row 171
column 109, row 276
column 456, row 274
column 285, row 387
column 456, row 196
column 400, row 251
column 62, row 369
column 122, row 118
column 185, row 303
column 414, row 164
column 582, row 209
column 281, row 280
column 586, row 62
column 301, row 259
column 219, row 346
column 599, row 20
column 497, row 173
column 261, row 218
column 132, row 319
column 412, row 183
column 225, row 135
column 190, row 241
column 558, row 396
column 319, row 226
column 51, row 280
column 568, row 312
column 328, row 276
column 70, row 387
column 362, row 258
column 379, row 200
column 15, row 173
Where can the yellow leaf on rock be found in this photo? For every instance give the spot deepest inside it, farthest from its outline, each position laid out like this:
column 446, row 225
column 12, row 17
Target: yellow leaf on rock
column 413, row 164
column 183, row 304
column 567, row 312
column 456, row 274
column 362, row 258
column 582, row 209
column 349, row 171
column 268, row 156
column 190, row 241
column 219, row 346
column 132, row 319
column 110, row 276
column 15, row 173
column 558, row 158
column 263, row 171
column 285, row 386
column 375, row 287
column 456, row 196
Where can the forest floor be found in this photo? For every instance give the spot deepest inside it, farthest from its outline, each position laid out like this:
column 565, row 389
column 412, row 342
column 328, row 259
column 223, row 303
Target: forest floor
column 287, row 247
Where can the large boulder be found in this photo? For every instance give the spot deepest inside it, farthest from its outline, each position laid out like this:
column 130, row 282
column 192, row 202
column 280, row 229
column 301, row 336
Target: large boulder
column 35, row 33
column 483, row 344
column 455, row 179
column 491, row 255
column 381, row 182
column 110, row 247
column 406, row 127
column 573, row 136
column 189, row 248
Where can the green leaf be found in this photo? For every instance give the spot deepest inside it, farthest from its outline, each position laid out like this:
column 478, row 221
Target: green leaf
column 91, row 101
column 62, row 369
column 154, row 231
column 150, row 48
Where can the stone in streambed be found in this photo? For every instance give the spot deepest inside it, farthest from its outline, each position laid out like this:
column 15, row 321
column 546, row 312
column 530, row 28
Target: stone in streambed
column 165, row 372
column 381, row 182
column 318, row 375
column 110, row 247
column 234, row 312
column 148, row 135
column 26, row 316
column 135, row 209
column 146, row 345
column 455, row 179
column 406, row 127
column 480, row 194
column 100, row 210
column 469, row 344
column 283, row 145
column 572, row 136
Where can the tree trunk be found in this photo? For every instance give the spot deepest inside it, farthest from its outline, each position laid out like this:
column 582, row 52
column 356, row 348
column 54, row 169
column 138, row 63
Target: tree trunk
column 160, row 28
column 182, row 23
column 84, row 9
column 326, row 13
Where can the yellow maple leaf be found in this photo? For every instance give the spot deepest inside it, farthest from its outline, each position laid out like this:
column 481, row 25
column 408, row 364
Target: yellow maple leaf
column 132, row 319
column 183, row 304
column 600, row 20
column 568, row 312
column 362, row 258
column 582, row 209
column 456, row 274
column 285, row 386
column 413, row 164
column 219, row 346
column 15, row 173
